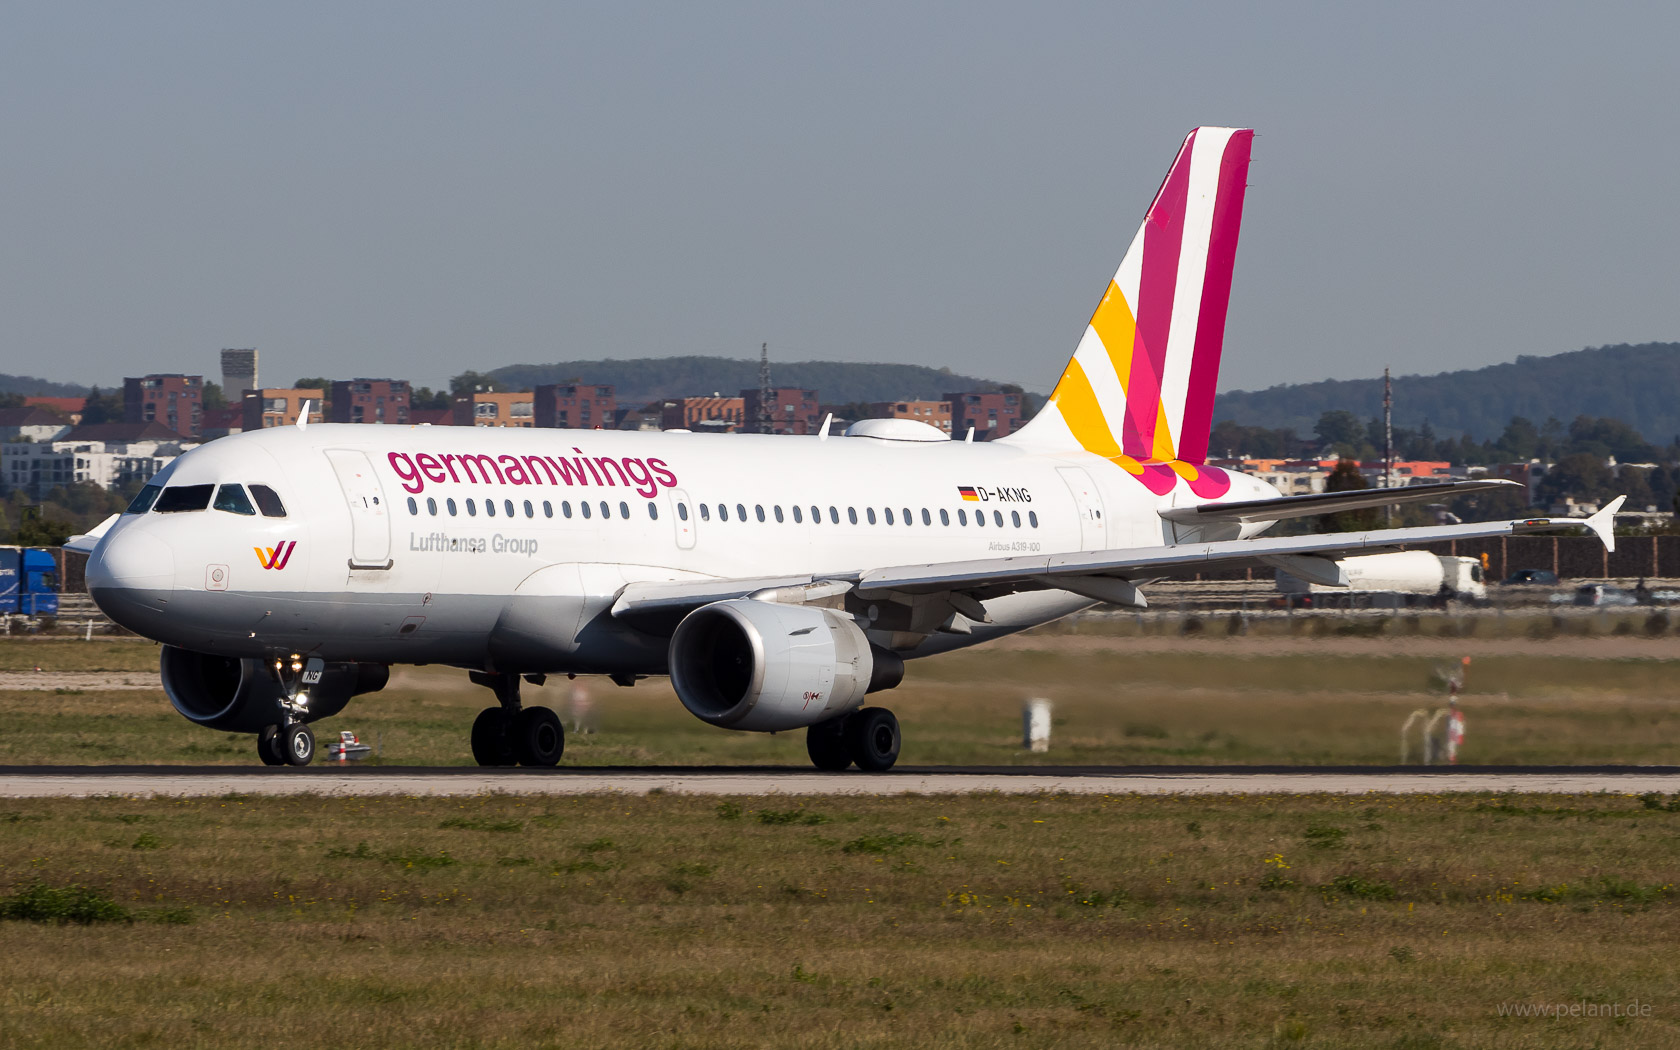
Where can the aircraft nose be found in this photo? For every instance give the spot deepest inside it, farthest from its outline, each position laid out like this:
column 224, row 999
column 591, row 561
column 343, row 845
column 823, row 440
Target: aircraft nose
column 130, row 576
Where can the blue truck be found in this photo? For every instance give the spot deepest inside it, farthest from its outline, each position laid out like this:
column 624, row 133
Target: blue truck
column 28, row 581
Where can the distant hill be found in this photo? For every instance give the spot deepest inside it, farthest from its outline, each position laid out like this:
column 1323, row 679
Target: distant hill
column 645, row 379
column 29, row 386
column 1637, row 384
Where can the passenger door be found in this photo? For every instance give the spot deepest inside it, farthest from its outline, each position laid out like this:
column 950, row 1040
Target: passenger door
column 370, row 521
column 1093, row 534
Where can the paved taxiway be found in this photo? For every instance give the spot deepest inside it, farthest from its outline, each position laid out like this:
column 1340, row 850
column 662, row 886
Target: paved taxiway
column 82, row 782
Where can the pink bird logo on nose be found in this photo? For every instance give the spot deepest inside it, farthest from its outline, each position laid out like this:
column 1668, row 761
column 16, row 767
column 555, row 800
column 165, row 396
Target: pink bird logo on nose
column 275, row 557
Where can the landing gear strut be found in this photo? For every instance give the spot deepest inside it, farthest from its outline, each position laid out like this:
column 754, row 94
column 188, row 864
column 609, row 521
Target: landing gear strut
column 291, row 743
column 512, row 734
column 868, row 736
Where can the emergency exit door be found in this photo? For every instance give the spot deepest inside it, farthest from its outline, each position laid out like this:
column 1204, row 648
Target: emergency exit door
column 370, row 521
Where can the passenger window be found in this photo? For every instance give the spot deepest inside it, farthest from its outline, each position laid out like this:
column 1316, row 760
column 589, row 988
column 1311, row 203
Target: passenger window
column 566, row 508
column 268, row 501
column 472, row 509
column 741, row 511
column 431, row 506
column 798, row 518
column 1015, row 518
column 450, row 505
column 490, row 508
column 530, row 512
column 816, row 515
column 927, row 519
column 705, row 512
column 583, row 505
column 606, row 511
column 962, row 516
column 723, row 512
column 869, row 512
column 653, row 510
column 997, row 518
column 181, row 498
column 851, row 512
column 413, row 507
column 909, row 519
column 778, row 509
column 834, row 515
column 507, row 505
column 232, row 499
column 548, row 509
column 1032, row 518
column 980, row 518
column 759, row 509
column 888, row 512
column 682, row 511
column 944, row 516
column 144, row 500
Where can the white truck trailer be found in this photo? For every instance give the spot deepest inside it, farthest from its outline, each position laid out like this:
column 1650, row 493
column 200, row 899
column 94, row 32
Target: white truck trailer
column 1392, row 580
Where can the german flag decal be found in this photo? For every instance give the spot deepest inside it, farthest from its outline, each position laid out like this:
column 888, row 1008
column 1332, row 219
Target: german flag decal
column 967, row 492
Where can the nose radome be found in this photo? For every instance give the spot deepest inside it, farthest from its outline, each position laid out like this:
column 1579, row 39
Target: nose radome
column 130, row 569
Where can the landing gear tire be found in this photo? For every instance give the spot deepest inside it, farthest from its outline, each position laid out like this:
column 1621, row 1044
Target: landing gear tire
column 873, row 739
column 296, row 743
column 825, row 742
column 539, row 738
column 268, row 746
column 492, row 744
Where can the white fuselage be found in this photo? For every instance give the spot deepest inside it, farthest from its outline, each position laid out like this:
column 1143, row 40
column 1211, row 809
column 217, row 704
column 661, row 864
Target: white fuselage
column 506, row 548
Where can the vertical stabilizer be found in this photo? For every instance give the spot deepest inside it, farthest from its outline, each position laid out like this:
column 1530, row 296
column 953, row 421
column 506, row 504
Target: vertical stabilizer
column 1139, row 389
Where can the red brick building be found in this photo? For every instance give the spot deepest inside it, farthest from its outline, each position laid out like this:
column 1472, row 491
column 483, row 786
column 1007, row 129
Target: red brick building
column 575, row 406
column 794, row 411
column 370, row 401
column 991, row 415
column 172, row 399
column 701, row 413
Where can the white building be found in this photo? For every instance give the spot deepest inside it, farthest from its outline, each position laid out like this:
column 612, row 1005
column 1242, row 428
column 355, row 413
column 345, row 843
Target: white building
column 109, row 455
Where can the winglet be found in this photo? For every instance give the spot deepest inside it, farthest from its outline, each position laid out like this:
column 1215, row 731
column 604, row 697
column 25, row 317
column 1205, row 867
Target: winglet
column 822, row 435
column 1603, row 524
column 303, row 416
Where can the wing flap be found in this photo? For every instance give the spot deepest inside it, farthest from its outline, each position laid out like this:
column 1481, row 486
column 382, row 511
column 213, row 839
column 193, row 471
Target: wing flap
column 1326, row 502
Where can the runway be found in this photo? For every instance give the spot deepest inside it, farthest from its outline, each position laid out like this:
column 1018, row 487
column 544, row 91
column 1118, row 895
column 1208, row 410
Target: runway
column 332, row 780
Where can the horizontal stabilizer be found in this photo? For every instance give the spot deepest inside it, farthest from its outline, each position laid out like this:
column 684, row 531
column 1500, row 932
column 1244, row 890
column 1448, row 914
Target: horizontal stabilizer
column 1326, row 502
column 87, row 541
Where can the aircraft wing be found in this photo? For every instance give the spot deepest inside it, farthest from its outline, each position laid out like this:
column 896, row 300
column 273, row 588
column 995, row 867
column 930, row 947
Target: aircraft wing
column 1327, row 502
column 1100, row 575
column 1309, row 557
column 87, row 541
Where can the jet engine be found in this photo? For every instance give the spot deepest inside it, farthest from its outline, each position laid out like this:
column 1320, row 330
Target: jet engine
column 241, row 696
column 766, row 667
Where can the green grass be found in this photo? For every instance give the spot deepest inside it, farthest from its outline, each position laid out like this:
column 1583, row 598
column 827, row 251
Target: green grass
column 987, row 921
column 1114, row 703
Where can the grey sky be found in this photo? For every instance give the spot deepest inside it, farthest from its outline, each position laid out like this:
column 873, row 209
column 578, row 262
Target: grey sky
column 415, row 189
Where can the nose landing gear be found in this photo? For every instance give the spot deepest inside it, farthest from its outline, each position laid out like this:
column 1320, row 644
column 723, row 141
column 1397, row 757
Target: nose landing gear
column 291, row 743
column 512, row 734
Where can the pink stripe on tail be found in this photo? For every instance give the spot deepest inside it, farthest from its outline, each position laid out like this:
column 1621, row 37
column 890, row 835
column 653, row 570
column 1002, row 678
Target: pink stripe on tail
column 1216, row 298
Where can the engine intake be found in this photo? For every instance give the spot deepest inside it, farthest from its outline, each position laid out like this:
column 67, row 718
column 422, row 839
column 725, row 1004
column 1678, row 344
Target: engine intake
column 766, row 667
column 240, row 696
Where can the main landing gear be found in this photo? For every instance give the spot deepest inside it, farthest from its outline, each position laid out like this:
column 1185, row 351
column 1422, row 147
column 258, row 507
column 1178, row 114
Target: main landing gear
column 511, row 734
column 868, row 736
column 291, row 743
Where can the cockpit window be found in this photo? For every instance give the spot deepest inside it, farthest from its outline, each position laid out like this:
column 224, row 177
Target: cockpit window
column 144, row 500
column 268, row 501
column 178, row 498
column 232, row 499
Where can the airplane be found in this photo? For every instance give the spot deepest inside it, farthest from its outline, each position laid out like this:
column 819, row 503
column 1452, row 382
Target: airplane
column 778, row 580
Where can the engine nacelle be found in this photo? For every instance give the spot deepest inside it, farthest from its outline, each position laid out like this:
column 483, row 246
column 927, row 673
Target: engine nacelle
column 240, row 696
column 765, row 667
